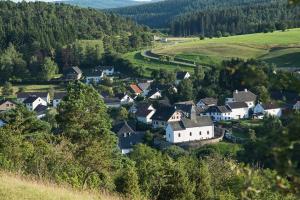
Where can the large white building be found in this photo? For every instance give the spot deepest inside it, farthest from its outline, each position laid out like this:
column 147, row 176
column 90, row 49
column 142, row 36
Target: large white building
column 188, row 130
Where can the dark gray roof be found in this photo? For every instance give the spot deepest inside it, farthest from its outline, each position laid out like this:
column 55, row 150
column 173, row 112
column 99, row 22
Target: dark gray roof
column 73, row 70
column 235, row 105
column 243, row 96
column 185, row 123
column 59, row 95
column 30, row 99
column 269, row 106
column 130, row 140
column 122, row 127
column 6, row 100
column 163, row 113
column 218, row 109
column 209, row 101
column 97, row 71
column 186, row 107
column 142, row 110
column 180, row 75
column 144, row 86
column 40, row 109
column 27, row 94
column 121, row 95
column 111, row 100
column 152, row 92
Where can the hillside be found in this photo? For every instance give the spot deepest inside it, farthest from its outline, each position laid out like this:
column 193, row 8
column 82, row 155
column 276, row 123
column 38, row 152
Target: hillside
column 104, row 4
column 280, row 48
column 207, row 17
column 13, row 187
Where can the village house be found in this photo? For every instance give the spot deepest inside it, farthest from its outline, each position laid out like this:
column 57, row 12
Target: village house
column 218, row 113
column 243, row 96
column 58, row 96
column 135, row 89
column 73, row 73
column 21, row 96
column 164, row 115
column 41, row 111
column 186, row 107
column 32, row 102
column 154, row 94
column 180, row 76
column 93, row 76
column 187, row 130
column 112, row 102
column 144, row 112
column 124, row 98
column 207, row 102
column 239, row 110
column 107, row 70
column 6, row 105
column 128, row 137
column 267, row 109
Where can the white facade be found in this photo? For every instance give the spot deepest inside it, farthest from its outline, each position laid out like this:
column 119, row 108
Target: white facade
column 126, row 100
column 189, row 134
column 109, row 71
column 239, row 113
column 46, row 99
column 56, row 102
column 218, row 116
column 33, row 105
column 296, row 106
column 259, row 109
column 93, row 79
column 147, row 119
column 156, row 95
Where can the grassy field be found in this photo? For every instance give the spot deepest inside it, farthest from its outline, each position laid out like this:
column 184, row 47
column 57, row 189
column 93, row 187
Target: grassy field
column 15, row 188
column 281, row 48
column 149, row 65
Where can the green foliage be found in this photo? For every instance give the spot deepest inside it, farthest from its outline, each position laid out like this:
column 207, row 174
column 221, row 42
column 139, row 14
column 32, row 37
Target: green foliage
column 7, row 89
column 12, row 65
column 48, row 69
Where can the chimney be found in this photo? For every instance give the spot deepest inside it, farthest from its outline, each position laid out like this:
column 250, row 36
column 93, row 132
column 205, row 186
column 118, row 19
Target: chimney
column 236, row 91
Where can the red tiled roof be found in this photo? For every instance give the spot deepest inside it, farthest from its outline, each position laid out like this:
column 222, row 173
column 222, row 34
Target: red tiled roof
column 136, row 89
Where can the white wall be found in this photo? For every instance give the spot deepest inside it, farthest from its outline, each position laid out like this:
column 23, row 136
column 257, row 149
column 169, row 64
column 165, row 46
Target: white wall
column 189, row 134
column 126, row 100
column 274, row 112
column 239, row 113
column 37, row 102
column 93, row 79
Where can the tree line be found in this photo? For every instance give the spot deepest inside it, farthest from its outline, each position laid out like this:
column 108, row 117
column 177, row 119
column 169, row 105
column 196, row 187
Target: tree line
column 209, row 18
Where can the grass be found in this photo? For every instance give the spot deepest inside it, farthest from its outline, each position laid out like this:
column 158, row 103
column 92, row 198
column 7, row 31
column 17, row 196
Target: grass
column 35, row 88
column 227, row 149
column 14, row 187
column 150, row 65
column 280, row 48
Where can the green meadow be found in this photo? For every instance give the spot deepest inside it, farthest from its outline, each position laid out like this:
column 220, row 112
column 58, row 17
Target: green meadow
column 280, row 48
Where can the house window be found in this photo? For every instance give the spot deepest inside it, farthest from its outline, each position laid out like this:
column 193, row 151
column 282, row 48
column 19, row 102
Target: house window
column 179, row 135
column 200, row 133
column 190, row 133
column 207, row 132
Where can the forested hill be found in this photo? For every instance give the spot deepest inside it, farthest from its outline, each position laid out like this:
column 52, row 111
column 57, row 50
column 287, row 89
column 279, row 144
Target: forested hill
column 192, row 17
column 46, row 25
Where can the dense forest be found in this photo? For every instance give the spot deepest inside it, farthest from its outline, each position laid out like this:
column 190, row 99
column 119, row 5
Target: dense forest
column 31, row 32
column 207, row 17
